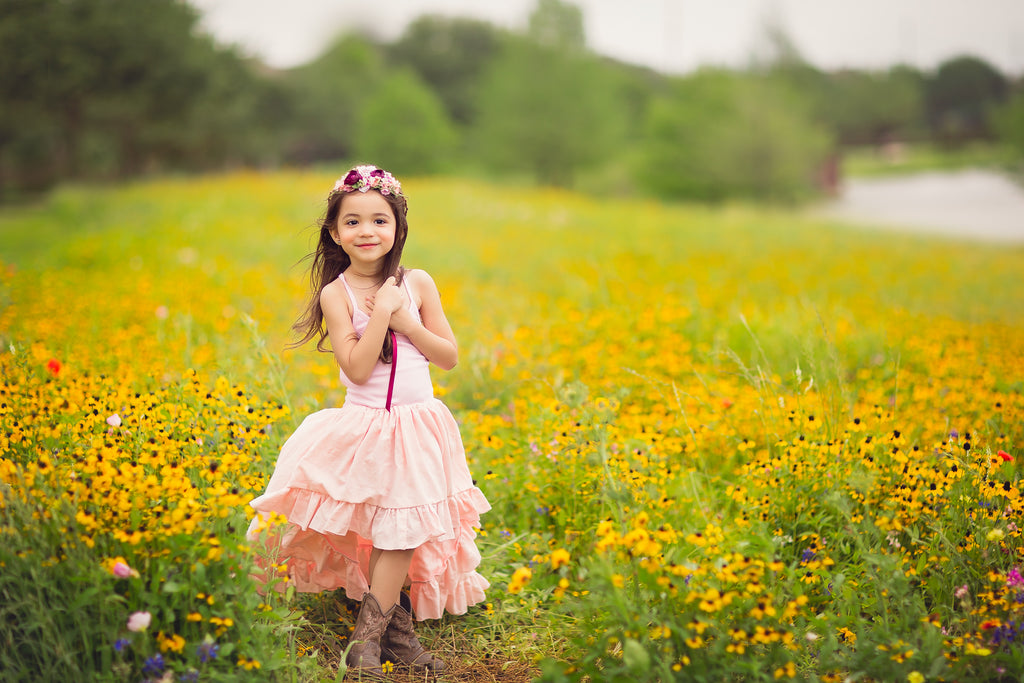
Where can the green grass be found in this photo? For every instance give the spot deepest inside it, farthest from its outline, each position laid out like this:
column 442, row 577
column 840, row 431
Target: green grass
column 902, row 159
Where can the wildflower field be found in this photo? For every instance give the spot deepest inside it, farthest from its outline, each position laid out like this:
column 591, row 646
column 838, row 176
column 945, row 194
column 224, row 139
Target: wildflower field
column 721, row 444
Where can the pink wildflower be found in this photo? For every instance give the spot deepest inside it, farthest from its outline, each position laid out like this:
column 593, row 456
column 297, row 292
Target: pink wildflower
column 122, row 570
column 139, row 621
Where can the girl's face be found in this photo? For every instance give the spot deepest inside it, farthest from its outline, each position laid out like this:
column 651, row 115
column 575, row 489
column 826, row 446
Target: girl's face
column 365, row 229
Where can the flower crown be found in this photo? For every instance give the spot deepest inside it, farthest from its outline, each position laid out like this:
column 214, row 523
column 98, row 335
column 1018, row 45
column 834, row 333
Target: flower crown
column 363, row 178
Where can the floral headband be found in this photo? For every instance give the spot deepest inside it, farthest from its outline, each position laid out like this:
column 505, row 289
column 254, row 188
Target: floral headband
column 363, row 178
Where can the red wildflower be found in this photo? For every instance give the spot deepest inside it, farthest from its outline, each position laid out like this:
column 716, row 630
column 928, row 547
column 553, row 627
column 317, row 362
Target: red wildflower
column 1005, row 456
column 53, row 365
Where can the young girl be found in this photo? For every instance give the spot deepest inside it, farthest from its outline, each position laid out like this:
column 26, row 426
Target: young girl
column 377, row 493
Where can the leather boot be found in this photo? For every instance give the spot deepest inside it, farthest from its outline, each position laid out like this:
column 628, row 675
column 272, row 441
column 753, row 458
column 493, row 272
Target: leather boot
column 364, row 656
column 400, row 644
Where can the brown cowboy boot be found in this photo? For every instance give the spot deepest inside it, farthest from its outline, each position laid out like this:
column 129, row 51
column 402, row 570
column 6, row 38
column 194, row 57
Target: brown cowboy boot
column 364, row 655
column 400, row 643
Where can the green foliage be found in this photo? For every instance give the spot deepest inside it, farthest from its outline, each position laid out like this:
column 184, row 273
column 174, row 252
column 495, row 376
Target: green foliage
column 858, row 107
column 718, row 135
column 1009, row 123
column 403, row 127
column 81, row 554
column 918, row 158
column 960, row 95
column 547, row 111
column 865, row 107
column 557, row 24
column 449, row 55
column 115, row 87
column 326, row 96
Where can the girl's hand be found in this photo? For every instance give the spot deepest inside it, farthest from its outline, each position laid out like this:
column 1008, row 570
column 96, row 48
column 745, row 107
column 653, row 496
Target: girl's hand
column 389, row 297
column 402, row 321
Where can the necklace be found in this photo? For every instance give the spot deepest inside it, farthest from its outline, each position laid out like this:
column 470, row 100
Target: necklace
column 372, row 286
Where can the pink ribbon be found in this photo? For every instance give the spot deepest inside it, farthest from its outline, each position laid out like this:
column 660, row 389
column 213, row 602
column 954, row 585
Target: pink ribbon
column 394, row 362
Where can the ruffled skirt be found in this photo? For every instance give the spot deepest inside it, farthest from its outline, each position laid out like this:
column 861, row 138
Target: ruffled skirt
column 356, row 478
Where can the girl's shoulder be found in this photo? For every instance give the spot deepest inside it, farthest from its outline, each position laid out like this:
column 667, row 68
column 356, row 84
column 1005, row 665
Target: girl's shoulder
column 334, row 294
column 423, row 288
column 418, row 277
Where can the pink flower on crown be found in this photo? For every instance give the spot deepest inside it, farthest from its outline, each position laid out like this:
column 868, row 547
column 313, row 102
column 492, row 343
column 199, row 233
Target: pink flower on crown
column 365, row 178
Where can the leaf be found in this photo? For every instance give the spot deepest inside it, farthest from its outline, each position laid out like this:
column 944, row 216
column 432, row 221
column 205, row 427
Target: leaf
column 635, row 656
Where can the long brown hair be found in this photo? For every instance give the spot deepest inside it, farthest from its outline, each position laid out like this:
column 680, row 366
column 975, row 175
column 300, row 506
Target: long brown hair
column 329, row 260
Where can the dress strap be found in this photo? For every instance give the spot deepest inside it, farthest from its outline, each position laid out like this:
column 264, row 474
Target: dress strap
column 351, row 294
column 412, row 300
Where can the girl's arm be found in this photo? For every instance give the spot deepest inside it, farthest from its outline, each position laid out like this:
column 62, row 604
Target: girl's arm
column 357, row 355
column 433, row 337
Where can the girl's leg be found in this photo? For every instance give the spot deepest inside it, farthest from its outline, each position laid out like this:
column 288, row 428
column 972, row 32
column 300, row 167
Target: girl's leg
column 388, row 571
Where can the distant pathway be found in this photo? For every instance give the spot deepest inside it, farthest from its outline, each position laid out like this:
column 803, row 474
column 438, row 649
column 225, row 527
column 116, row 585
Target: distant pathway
column 972, row 204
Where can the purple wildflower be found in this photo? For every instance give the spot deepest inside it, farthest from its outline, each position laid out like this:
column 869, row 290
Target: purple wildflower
column 207, row 651
column 153, row 666
column 1006, row 634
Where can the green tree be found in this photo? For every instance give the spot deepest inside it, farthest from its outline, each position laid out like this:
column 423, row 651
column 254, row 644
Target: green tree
column 547, row 106
column 960, row 97
column 547, row 111
column 719, row 135
column 1009, row 124
column 325, row 96
column 403, row 126
column 557, row 24
column 449, row 55
column 865, row 107
column 113, row 87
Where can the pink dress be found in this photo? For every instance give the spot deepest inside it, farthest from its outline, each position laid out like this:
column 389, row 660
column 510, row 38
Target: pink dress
column 361, row 476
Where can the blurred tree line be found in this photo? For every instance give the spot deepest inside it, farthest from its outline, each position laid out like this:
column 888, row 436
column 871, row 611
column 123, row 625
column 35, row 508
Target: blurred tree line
column 109, row 89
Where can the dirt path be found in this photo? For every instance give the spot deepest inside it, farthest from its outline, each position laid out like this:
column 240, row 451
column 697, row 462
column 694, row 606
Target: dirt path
column 972, row 204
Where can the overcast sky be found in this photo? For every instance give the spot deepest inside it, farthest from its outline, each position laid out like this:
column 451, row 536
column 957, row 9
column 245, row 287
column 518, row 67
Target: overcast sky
column 669, row 35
